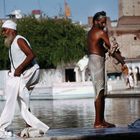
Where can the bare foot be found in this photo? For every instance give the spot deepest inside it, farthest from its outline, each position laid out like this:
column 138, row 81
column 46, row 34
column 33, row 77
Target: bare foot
column 108, row 124
column 102, row 125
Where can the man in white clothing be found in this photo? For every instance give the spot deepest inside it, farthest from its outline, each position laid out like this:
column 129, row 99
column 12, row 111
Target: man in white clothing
column 23, row 75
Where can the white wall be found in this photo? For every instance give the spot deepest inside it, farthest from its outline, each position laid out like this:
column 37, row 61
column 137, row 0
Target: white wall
column 2, row 78
column 50, row 76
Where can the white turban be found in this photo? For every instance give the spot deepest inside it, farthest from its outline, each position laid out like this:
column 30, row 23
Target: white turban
column 9, row 24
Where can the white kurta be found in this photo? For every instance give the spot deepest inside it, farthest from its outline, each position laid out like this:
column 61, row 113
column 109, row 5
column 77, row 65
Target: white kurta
column 16, row 90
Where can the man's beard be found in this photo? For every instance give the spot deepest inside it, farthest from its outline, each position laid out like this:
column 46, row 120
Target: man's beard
column 8, row 41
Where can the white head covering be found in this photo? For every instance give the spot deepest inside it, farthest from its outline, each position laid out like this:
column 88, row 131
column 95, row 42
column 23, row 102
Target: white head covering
column 9, row 24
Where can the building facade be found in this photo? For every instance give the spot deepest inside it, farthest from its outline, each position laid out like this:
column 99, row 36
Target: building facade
column 129, row 8
column 127, row 31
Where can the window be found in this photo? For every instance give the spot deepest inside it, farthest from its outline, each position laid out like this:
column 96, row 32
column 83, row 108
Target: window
column 135, row 38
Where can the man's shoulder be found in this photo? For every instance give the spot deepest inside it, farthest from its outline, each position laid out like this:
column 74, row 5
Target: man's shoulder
column 20, row 36
column 97, row 31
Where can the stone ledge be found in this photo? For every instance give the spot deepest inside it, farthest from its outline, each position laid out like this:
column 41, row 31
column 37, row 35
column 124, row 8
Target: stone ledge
column 88, row 134
column 93, row 134
column 129, row 95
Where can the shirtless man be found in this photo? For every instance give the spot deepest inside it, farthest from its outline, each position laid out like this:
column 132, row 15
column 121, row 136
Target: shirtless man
column 98, row 45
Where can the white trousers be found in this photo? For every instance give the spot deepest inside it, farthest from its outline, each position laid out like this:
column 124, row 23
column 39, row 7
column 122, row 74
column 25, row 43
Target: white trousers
column 16, row 90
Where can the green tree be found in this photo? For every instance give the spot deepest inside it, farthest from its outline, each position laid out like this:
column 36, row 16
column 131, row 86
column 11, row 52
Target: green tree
column 55, row 41
column 4, row 61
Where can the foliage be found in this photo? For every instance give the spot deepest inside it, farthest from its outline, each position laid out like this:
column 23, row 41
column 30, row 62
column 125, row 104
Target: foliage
column 55, row 41
column 4, row 61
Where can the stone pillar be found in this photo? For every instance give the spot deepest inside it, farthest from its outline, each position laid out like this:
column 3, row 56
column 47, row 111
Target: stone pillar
column 135, row 71
column 83, row 75
column 77, row 74
column 131, row 78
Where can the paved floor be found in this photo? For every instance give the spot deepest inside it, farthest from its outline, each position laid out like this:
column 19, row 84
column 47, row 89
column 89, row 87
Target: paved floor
column 88, row 134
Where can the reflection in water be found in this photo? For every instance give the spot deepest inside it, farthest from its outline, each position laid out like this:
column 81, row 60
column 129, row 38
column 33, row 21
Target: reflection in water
column 78, row 112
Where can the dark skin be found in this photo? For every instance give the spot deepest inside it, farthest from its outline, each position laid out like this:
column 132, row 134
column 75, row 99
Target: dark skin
column 96, row 38
column 28, row 52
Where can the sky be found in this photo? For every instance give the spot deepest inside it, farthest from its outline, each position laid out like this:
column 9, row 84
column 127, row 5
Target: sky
column 80, row 9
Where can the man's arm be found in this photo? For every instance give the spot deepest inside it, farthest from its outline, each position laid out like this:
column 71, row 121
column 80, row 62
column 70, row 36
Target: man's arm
column 114, row 52
column 112, row 49
column 29, row 56
column 105, row 38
